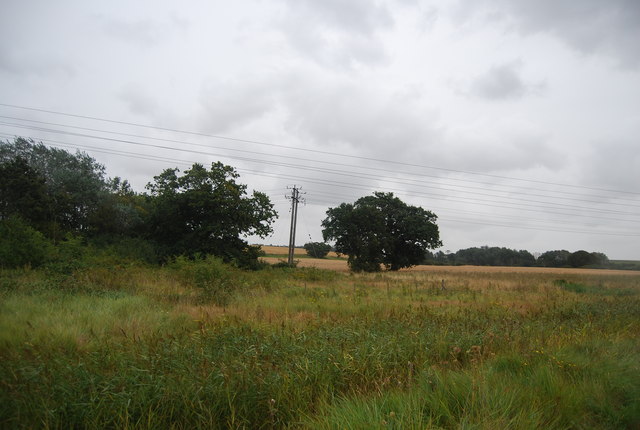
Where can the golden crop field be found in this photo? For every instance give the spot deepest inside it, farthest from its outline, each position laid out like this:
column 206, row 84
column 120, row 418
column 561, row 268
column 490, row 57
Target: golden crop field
column 284, row 251
column 340, row 265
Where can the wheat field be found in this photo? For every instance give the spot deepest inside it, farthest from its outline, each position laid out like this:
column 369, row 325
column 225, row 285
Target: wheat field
column 340, row 264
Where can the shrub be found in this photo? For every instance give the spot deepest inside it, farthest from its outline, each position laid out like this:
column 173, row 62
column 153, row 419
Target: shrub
column 127, row 249
column 217, row 281
column 317, row 249
column 67, row 256
column 21, row 245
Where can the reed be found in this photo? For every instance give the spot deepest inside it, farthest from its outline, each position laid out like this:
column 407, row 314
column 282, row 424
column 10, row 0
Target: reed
column 198, row 344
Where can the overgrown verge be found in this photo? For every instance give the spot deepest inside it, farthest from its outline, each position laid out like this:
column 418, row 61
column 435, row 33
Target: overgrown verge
column 305, row 348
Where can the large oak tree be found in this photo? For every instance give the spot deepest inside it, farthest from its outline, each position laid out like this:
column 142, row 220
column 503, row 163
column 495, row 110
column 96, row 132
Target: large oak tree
column 205, row 211
column 381, row 230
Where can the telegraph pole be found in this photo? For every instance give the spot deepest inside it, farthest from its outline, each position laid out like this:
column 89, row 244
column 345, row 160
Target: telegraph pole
column 295, row 199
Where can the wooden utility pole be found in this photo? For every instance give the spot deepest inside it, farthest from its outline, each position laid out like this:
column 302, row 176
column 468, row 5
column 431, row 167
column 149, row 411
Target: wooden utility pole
column 295, row 199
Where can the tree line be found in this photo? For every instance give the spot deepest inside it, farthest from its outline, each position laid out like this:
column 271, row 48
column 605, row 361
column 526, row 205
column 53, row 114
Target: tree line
column 496, row 256
column 49, row 196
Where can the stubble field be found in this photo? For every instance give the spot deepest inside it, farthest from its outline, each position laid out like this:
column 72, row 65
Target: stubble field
column 203, row 345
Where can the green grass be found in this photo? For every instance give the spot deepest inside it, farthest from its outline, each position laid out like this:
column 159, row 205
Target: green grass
column 571, row 389
column 203, row 345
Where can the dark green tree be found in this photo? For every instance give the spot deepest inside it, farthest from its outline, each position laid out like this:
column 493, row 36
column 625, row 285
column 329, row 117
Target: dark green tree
column 558, row 258
column 317, row 249
column 581, row 258
column 75, row 183
column 23, row 193
column 381, row 230
column 121, row 213
column 599, row 259
column 494, row 256
column 21, row 245
column 205, row 211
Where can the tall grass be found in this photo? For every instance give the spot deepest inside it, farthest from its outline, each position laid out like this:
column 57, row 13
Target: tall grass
column 197, row 344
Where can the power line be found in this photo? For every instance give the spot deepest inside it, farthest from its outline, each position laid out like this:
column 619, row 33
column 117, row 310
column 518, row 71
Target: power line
column 440, row 209
column 541, row 229
column 376, row 169
column 172, row 160
column 445, row 219
column 517, row 206
column 360, row 176
column 256, row 142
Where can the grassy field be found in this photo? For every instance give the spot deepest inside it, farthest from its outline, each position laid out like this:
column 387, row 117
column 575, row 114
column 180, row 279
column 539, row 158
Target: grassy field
column 202, row 345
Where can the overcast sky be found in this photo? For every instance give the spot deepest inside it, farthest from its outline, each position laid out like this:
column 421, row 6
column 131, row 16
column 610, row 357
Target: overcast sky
column 516, row 122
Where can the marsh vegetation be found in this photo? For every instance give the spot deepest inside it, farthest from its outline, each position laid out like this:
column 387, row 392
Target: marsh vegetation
column 199, row 344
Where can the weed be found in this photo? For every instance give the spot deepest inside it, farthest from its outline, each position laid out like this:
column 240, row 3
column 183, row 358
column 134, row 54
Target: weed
column 200, row 344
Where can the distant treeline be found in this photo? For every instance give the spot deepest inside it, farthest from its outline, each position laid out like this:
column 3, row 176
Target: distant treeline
column 495, row 256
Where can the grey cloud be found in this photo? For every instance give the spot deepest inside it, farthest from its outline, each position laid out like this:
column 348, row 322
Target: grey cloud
column 137, row 100
column 335, row 32
column 358, row 16
column 319, row 110
column 429, row 17
column 614, row 164
column 349, row 115
column 234, row 103
column 522, row 149
column 502, row 82
column 17, row 63
column 611, row 27
column 143, row 32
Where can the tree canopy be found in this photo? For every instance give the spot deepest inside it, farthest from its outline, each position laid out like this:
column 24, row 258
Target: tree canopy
column 205, row 211
column 581, row 258
column 23, row 192
column 56, row 193
column 557, row 258
column 317, row 249
column 485, row 256
column 381, row 230
column 60, row 188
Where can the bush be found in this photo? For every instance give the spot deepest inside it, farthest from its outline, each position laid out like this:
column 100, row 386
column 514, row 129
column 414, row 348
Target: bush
column 127, row 249
column 249, row 258
column 317, row 249
column 218, row 282
column 67, row 256
column 21, row 245
column 283, row 264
